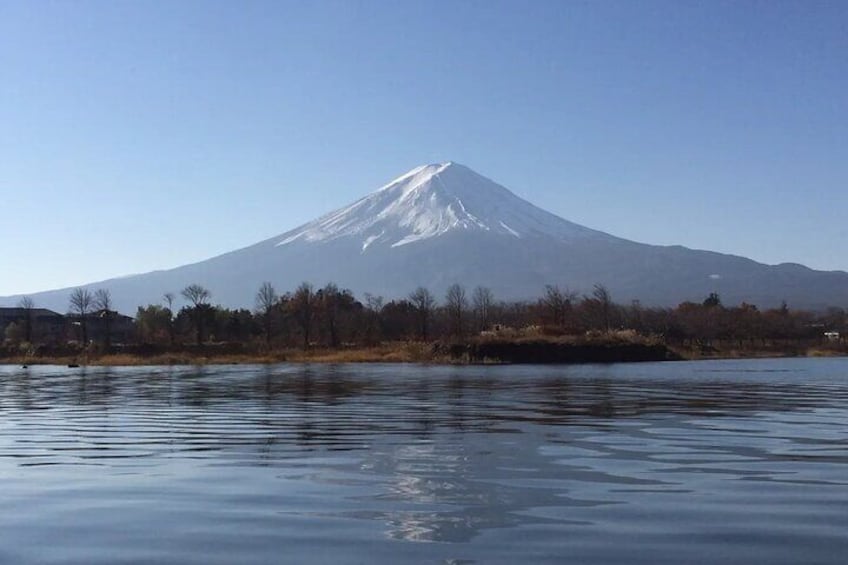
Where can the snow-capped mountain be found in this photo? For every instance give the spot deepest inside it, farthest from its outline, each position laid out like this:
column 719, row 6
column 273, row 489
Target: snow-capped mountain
column 431, row 201
column 443, row 223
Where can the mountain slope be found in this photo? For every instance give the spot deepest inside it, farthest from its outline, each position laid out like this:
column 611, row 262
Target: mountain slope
column 444, row 223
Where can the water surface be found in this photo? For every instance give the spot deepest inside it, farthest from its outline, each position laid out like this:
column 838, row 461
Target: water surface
column 706, row 462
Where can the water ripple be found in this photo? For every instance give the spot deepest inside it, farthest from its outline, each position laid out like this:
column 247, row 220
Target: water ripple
column 731, row 462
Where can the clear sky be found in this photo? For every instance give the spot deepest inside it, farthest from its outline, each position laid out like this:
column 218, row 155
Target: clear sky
column 144, row 135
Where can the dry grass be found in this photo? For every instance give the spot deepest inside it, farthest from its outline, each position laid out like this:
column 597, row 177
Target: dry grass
column 825, row 352
column 401, row 352
column 613, row 337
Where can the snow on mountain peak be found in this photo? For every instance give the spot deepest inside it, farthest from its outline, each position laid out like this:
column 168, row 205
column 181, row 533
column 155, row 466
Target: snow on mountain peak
column 432, row 200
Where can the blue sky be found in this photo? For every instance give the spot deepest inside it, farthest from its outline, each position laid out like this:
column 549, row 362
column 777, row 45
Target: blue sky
column 144, row 135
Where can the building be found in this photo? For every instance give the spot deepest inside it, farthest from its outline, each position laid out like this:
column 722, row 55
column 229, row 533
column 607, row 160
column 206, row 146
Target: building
column 45, row 325
column 102, row 326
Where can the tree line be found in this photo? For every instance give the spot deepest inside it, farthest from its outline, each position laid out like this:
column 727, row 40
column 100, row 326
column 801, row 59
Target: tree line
column 333, row 317
column 330, row 316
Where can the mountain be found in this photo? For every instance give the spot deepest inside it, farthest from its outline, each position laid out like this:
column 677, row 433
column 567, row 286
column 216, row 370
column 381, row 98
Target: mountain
column 444, row 223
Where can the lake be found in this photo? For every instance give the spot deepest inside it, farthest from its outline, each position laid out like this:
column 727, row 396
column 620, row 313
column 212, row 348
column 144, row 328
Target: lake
column 688, row 462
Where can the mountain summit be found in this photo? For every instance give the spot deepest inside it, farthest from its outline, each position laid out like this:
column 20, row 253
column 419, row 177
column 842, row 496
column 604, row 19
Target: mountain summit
column 431, row 201
column 443, row 223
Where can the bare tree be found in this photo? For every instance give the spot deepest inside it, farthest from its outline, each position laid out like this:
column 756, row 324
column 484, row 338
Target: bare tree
column 604, row 299
column 373, row 311
column 374, row 303
column 266, row 302
column 199, row 298
column 329, row 302
column 169, row 297
column 424, row 303
column 28, row 306
column 482, row 298
column 102, row 299
column 456, row 304
column 302, row 307
column 196, row 294
column 103, row 304
column 557, row 303
column 80, row 305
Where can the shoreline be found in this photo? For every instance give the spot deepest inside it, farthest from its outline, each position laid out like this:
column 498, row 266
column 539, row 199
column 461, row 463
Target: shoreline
column 535, row 353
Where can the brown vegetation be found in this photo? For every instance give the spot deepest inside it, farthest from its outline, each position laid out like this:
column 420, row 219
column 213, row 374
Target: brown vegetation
column 328, row 324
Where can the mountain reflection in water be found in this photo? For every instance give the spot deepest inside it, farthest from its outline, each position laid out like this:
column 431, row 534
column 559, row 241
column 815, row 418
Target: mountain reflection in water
column 672, row 457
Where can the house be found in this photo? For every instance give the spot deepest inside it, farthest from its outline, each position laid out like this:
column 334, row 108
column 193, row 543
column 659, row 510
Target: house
column 51, row 327
column 103, row 326
column 46, row 325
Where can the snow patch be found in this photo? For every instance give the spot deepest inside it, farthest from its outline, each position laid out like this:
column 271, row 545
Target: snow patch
column 371, row 239
column 510, row 230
